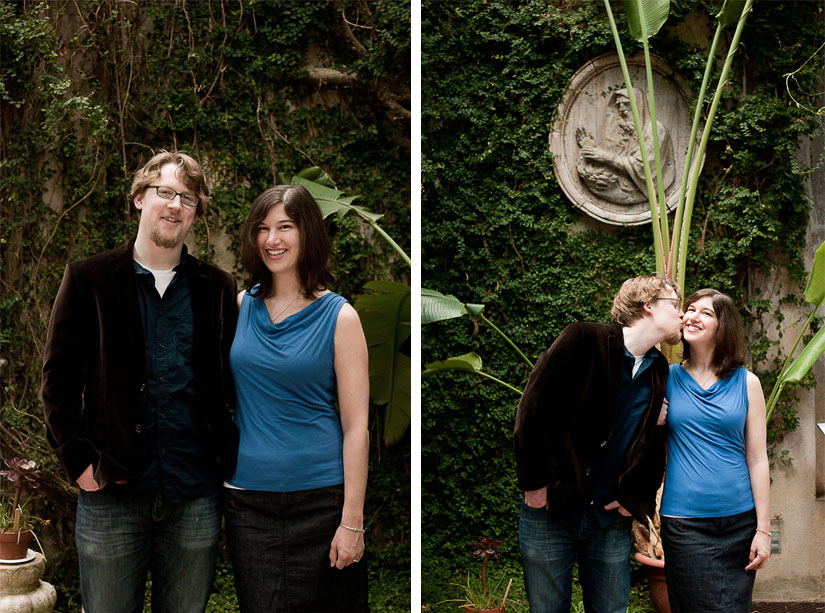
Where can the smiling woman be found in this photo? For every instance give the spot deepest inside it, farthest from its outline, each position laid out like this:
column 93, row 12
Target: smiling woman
column 302, row 465
column 716, row 501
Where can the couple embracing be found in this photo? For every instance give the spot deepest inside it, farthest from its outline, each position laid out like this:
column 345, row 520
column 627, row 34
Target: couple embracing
column 599, row 410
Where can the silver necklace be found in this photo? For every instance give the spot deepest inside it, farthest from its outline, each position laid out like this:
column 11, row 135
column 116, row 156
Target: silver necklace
column 706, row 379
column 273, row 320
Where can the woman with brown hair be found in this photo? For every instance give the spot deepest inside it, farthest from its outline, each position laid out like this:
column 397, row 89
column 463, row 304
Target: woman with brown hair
column 716, row 502
column 295, row 504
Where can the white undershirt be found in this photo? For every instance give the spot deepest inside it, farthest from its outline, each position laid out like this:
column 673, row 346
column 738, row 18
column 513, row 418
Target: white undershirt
column 162, row 278
column 636, row 365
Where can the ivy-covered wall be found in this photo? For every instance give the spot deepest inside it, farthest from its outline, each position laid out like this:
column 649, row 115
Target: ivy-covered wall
column 497, row 229
column 90, row 89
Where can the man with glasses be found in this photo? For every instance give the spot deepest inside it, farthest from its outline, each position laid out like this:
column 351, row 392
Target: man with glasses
column 589, row 449
column 136, row 392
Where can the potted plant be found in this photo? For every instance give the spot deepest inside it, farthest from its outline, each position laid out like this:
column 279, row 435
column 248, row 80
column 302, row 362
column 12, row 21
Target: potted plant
column 15, row 522
column 483, row 596
column 651, row 556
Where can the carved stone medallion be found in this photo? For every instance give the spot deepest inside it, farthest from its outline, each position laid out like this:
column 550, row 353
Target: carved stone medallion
column 598, row 161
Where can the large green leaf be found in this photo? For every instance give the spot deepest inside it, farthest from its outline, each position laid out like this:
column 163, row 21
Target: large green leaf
column 397, row 411
column 333, row 201
column 385, row 317
column 803, row 362
column 435, row 306
column 470, row 362
column 815, row 290
column 646, row 17
column 731, row 11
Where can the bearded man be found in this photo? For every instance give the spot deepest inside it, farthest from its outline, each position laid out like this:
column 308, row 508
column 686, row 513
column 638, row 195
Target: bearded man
column 590, row 448
column 612, row 168
column 136, row 393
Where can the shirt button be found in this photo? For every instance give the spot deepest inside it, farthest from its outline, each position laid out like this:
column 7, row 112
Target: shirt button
column 587, row 472
column 138, row 428
column 603, row 443
column 142, row 387
column 163, row 379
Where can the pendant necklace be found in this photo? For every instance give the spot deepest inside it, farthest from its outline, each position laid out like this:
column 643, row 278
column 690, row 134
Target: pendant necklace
column 706, row 379
column 272, row 320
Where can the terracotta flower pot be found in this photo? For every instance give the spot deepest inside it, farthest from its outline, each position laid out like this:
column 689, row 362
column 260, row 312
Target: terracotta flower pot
column 656, row 586
column 14, row 545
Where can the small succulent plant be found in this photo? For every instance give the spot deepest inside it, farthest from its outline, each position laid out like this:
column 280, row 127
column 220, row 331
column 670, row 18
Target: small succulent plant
column 24, row 474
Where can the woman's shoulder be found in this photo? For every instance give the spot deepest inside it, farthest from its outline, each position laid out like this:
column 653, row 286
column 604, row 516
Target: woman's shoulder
column 750, row 378
column 676, row 368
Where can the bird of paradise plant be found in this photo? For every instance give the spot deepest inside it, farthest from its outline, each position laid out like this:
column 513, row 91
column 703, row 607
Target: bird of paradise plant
column 645, row 18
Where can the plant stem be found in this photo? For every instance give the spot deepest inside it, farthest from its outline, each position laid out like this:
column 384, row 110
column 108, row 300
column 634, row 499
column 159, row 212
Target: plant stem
column 389, row 240
column 777, row 387
column 504, row 336
column 697, row 115
column 492, row 378
column 651, row 192
column 694, row 178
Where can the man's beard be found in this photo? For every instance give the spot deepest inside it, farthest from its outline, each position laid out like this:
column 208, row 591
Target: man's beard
column 674, row 337
column 627, row 126
column 168, row 242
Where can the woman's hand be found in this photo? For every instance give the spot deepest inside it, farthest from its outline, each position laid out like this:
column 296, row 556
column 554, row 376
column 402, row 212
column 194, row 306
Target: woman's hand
column 347, row 547
column 760, row 551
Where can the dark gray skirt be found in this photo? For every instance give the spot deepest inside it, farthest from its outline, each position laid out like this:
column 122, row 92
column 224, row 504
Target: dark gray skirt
column 705, row 562
column 279, row 545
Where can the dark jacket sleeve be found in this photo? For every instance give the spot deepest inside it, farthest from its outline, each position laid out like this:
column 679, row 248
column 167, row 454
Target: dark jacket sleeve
column 540, row 412
column 228, row 452
column 64, row 373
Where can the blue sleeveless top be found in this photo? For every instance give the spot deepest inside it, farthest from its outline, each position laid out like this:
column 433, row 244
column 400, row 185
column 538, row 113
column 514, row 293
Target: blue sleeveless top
column 291, row 436
column 707, row 475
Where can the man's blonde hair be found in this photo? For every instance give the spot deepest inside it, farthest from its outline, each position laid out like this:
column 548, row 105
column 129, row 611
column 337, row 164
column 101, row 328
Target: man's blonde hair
column 635, row 293
column 191, row 175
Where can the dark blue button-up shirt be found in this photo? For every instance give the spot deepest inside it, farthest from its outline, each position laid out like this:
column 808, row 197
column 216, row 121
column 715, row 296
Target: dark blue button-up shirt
column 178, row 461
column 634, row 398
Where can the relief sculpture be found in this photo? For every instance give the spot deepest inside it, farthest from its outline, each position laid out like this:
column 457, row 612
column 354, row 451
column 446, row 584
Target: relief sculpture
column 611, row 165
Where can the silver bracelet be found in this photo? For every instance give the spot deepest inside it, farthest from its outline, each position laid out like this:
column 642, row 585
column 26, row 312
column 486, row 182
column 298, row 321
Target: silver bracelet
column 765, row 531
column 361, row 530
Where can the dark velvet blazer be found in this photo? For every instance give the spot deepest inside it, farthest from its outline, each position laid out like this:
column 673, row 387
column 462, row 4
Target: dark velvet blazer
column 94, row 368
column 566, row 416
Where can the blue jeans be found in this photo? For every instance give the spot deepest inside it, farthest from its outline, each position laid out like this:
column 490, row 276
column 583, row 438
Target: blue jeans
column 550, row 543
column 118, row 541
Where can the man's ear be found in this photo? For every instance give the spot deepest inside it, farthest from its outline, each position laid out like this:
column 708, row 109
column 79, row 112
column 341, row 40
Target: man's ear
column 138, row 202
column 647, row 308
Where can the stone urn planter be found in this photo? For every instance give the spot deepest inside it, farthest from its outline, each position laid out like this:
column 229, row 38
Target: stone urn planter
column 21, row 587
column 655, row 571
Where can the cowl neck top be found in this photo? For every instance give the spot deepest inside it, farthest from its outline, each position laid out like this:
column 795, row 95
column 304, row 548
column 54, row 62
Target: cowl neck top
column 707, row 475
column 284, row 374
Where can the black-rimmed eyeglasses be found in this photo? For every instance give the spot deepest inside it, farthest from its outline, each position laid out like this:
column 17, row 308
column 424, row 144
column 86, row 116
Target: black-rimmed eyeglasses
column 167, row 193
column 675, row 301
